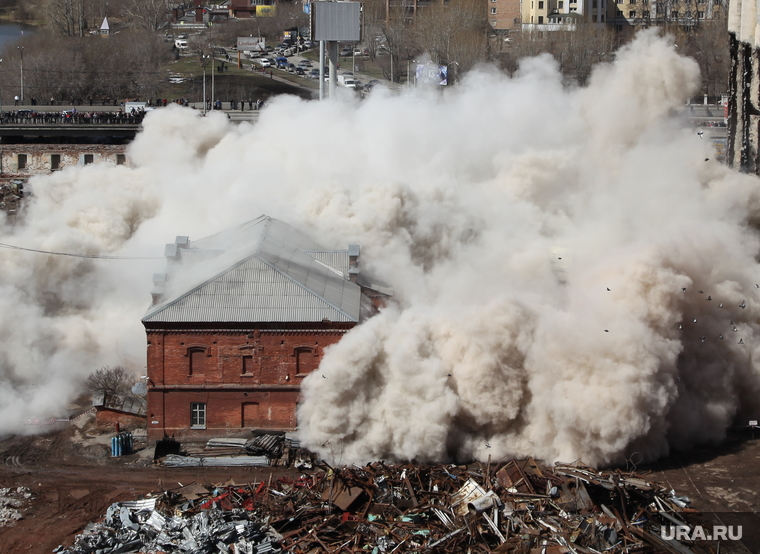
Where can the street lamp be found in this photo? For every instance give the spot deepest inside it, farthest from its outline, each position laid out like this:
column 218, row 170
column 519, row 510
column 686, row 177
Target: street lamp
column 21, row 49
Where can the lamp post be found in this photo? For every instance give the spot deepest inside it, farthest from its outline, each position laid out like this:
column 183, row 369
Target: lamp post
column 203, row 65
column 1, row 97
column 21, row 49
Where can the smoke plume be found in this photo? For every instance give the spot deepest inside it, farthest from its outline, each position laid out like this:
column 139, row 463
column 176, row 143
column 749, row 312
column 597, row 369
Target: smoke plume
column 538, row 240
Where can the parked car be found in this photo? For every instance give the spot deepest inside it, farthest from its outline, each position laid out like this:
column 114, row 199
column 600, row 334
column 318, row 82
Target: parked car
column 346, row 52
column 314, row 74
column 266, row 62
column 308, row 44
column 304, row 63
column 299, row 70
column 281, row 62
column 291, row 67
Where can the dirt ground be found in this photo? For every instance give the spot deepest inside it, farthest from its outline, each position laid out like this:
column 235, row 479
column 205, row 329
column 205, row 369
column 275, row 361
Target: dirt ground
column 73, row 480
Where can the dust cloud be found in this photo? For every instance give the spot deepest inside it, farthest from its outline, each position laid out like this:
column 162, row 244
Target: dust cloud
column 500, row 211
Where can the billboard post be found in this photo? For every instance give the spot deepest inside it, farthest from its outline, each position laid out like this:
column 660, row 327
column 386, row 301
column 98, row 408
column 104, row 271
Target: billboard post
column 332, row 22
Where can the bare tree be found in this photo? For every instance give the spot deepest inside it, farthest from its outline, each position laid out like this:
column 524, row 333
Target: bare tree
column 67, row 17
column 147, row 14
column 113, row 380
column 455, row 32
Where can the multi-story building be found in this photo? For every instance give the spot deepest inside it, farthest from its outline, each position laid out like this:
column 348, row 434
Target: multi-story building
column 239, row 319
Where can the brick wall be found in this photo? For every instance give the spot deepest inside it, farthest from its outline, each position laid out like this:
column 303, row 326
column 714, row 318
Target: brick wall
column 245, row 378
column 39, row 158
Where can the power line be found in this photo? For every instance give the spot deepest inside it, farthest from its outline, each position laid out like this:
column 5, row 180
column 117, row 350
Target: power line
column 96, row 256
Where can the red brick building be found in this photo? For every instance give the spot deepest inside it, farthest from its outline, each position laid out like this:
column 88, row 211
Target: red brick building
column 237, row 321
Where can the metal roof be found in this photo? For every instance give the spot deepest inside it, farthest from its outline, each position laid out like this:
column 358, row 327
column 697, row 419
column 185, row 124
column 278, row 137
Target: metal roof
column 261, row 271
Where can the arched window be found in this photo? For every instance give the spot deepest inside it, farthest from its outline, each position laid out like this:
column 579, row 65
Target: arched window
column 197, row 355
column 306, row 360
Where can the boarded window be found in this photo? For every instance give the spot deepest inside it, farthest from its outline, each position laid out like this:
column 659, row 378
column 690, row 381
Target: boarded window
column 197, row 361
column 197, row 415
column 306, row 361
column 248, row 365
column 22, row 161
column 55, row 161
column 88, row 158
column 251, row 415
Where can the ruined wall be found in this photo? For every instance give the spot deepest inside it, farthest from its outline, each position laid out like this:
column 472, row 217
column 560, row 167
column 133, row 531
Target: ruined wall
column 246, row 378
column 744, row 88
column 21, row 161
column 110, row 418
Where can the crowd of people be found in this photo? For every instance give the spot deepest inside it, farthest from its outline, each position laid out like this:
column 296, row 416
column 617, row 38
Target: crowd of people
column 73, row 116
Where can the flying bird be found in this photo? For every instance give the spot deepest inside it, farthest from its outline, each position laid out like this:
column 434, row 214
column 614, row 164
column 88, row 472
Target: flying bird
column 488, row 445
column 694, row 320
column 702, row 339
column 741, row 341
column 323, row 376
column 707, row 159
column 720, row 337
column 606, row 330
column 731, row 322
column 608, row 289
column 700, row 133
column 720, row 305
column 757, row 286
column 683, row 289
column 448, row 375
column 742, row 305
column 701, row 292
column 709, row 297
column 680, row 326
column 734, row 329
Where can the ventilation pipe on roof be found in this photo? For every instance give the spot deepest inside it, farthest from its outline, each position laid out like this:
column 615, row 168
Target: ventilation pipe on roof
column 353, row 262
column 159, row 285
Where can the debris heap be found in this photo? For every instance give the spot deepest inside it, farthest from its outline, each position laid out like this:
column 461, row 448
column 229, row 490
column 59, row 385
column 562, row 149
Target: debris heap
column 517, row 506
column 12, row 500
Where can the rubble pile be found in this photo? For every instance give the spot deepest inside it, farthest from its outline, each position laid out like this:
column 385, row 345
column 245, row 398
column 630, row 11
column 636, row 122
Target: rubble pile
column 517, row 506
column 11, row 501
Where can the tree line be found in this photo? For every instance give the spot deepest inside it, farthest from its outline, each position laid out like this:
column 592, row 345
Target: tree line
column 63, row 61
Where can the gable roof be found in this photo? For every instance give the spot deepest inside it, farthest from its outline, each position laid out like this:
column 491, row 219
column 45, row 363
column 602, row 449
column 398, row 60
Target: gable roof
column 263, row 270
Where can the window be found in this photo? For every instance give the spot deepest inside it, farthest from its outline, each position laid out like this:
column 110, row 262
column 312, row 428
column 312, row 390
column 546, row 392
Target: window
column 560, row 4
column 306, row 360
column 632, row 14
column 541, row 5
column 55, row 161
column 593, row 19
column 21, row 161
column 573, row 10
column 121, row 159
column 701, row 15
column 593, row 4
column 602, row 18
column 674, row 14
column 88, row 159
column 646, row 13
column 197, row 415
column 540, row 19
column 688, row 14
column 618, row 13
column 493, row 11
column 247, row 365
column 197, row 357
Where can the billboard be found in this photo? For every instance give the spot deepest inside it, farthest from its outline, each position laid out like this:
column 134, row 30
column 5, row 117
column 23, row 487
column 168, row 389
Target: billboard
column 431, row 74
column 336, row 21
column 307, row 6
column 254, row 44
column 265, row 11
